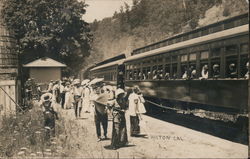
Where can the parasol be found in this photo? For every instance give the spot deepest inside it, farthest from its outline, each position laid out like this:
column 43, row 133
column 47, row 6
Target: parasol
column 96, row 80
column 101, row 102
column 84, row 82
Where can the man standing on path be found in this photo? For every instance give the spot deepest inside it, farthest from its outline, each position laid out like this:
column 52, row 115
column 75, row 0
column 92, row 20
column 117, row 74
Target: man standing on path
column 100, row 113
column 77, row 91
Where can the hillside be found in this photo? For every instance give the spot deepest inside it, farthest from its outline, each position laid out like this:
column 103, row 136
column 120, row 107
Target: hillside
column 148, row 21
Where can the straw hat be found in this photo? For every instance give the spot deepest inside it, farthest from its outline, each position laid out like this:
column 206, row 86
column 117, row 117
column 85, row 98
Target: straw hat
column 119, row 91
column 46, row 97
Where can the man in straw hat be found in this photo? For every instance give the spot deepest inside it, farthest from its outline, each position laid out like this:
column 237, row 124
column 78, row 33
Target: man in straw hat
column 50, row 113
column 77, row 91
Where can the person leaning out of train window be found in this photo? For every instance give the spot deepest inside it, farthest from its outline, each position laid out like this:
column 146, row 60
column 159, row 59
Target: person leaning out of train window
column 154, row 75
column 204, row 72
column 248, row 73
column 193, row 74
column 185, row 74
column 167, row 76
column 232, row 71
column 160, row 74
column 216, row 71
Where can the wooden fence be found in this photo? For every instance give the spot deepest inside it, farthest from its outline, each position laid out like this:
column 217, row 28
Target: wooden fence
column 8, row 96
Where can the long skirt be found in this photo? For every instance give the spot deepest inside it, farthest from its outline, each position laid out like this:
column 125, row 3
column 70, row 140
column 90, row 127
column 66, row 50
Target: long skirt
column 119, row 132
column 68, row 100
column 134, row 125
column 86, row 104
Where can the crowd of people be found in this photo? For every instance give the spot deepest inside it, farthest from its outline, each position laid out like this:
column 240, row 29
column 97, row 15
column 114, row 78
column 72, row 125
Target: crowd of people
column 190, row 72
column 94, row 96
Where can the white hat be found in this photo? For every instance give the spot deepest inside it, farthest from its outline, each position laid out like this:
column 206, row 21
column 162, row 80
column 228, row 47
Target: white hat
column 119, row 91
column 84, row 82
column 108, row 87
column 76, row 81
column 46, row 97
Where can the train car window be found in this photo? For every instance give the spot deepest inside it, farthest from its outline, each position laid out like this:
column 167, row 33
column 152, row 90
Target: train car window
column 154, row 72
column 130, row 75
column 204, row 55
column 174, row 71
column 244, row 21
column 168, row 59
column 148, row 73
column 237, row 22
column 160, row 72
column 165, row 43
column 229, row 25
column 138, row 74
column 215, row 52
column 192, row 71
column 190, row 36
column 170, row 42
column 204, row 70
column 216, row 28
column 144, row 73
column 204, row 32
column 184, row 58
column 231, row 67
column 178, row 39
column 184, row 71
column 215, row 69
column 167, row 71
column 196, row 34
column 244, row 65
column 244, row 48
column 160, row 59
column 174, row 58
column 231, row 50
column 192, row 57
column 185, row 37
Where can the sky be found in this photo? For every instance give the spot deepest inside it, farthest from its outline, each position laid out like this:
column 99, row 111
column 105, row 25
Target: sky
column 99, row 9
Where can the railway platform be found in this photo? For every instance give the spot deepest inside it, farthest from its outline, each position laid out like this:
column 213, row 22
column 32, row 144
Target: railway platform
column 159, row 139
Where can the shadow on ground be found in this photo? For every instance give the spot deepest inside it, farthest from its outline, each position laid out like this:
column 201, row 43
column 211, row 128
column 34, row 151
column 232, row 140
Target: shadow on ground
column 226, row 130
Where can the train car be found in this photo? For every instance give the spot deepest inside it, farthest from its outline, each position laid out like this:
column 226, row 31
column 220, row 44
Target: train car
column 205, row 68
column 112, row 70
column 170, row 72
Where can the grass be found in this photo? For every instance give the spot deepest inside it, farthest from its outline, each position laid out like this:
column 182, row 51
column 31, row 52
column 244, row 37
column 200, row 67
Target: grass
column 23, row 135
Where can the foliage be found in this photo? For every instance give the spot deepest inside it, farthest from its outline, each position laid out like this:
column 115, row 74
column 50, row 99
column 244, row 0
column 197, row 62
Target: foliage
column 51, row 28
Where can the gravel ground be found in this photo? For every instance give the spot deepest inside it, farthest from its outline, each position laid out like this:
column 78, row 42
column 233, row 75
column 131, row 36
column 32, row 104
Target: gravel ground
column 164, row 140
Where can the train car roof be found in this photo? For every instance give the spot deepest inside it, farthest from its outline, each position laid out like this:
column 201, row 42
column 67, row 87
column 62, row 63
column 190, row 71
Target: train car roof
column 214, row 36
column 184, row 33
column 118, row 62
column 121, row 56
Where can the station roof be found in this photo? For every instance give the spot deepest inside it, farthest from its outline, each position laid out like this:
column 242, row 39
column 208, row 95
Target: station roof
column 45, row 62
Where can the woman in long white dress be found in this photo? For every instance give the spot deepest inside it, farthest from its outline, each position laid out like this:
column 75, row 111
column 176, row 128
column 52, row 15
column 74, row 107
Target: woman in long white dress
column 68, row 96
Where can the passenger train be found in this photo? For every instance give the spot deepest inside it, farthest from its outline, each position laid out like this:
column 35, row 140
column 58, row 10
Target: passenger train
column 205, row 68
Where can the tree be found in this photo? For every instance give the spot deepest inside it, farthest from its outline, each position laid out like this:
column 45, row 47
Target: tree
column 51, row 28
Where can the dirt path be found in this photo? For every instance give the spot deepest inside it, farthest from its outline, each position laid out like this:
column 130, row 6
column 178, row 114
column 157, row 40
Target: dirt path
column 165, row 140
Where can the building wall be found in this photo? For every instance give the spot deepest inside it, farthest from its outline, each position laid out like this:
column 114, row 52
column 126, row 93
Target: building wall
column 44, row 75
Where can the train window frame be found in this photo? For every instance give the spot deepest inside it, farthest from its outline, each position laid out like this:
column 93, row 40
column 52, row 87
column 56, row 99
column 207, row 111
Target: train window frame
column 229, row 24
column 228, row 52
column 215, row 55
column 244, row 51
column 204, row 52
column 184, row 58
column 192, row 59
